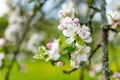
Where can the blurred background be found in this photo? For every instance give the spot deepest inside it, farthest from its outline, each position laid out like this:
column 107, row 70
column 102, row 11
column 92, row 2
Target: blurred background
column 27, row 24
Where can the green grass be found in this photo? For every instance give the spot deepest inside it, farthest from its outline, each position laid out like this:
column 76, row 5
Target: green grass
column 38, row 70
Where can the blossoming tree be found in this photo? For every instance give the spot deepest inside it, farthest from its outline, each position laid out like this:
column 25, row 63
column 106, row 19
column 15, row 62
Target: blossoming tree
column 73, row 43
column 78, row 41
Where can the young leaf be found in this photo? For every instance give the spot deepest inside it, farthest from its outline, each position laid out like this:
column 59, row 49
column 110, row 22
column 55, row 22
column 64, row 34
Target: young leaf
column 79, row 40
column 38, row 56
column 42, row 50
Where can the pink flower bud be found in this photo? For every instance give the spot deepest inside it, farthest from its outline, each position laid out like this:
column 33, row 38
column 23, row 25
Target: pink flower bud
column 76, row 20
column 49, row 45
column 60, row 64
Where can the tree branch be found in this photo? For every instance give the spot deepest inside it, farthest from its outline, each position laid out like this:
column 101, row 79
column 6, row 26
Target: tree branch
column 105, row 59
column 70, row 71
column 94, row 50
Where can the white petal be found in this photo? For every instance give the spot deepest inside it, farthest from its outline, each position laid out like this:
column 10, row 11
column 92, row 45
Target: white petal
column 74, row 64
column 82, row 57
column 88, row 40
column 70, row 40
column 67, row 33
column 56, row 56
column 86, row 49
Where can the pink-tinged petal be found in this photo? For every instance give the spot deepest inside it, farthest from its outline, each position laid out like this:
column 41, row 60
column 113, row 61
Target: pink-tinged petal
column 61, row 27
column 76, row 20
column 88, row 40
column 116, row 75
column 2, row 41
column 85, row 28
column 61, row 14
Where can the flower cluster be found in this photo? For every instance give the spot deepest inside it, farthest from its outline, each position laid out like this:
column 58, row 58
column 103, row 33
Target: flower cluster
column 115, row 20
column 15, row 29
column 72, row 45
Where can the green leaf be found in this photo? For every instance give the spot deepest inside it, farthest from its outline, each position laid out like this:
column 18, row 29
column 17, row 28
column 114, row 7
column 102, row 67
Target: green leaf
column 118, row 28
column 90, row 2
column 72, row 48
column 42, row 50
column 64, row 57
column 52, row 62
column 62, row 39
column 38, row 56
column 79, row 40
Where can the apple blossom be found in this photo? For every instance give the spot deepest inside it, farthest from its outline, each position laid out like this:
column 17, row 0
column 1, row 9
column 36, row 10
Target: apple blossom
column 73, row 45
column 75, row 63
column 67, row 10
column 53, row 53
column 2, row 41
column 115, row 19
column 85, row 34
column 79, row 55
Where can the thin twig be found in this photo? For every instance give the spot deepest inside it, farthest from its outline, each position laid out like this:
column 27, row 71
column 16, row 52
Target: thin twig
column 70, row 71
column 93, row 51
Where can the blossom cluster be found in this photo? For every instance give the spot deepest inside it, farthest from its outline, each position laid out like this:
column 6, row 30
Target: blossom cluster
column 15, row 29
column 72, row 46
column 115, row 20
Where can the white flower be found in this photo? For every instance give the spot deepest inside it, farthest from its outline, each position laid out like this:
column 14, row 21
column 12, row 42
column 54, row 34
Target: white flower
column 71, row 30
column 116, row 15
column 2, row 41
column 83, row 49
column 79, row 55
column 64, row 22
column 115, row 19
column 85, row 34
column 75, row 63
column 67, row 10
column 14, row 32
column 53, row 53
